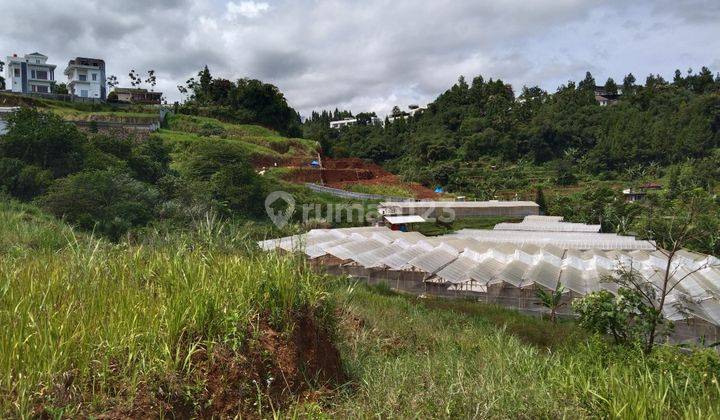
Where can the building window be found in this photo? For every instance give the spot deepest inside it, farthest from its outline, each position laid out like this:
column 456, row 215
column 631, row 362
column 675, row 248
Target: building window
column 82, row 77
column 94, row 77
column 42, row 75
column 39, row 89
column 16, row 72
column 32, row 74
column 84, row 93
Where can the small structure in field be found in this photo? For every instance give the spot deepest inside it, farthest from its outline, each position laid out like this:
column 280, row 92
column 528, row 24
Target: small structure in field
column 137, row 96
column 402, row 223
column 641, row 192
column 459, row 209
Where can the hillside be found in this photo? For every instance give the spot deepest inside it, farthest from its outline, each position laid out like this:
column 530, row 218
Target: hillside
column 200, row 323
column 265, row 147
column 472, row 137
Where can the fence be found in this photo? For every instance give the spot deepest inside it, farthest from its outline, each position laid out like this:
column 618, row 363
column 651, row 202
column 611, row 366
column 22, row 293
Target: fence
column 57, row 97
column 354, row 195
column 107, row 125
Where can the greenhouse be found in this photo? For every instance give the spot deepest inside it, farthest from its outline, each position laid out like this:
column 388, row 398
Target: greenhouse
column 507, row 267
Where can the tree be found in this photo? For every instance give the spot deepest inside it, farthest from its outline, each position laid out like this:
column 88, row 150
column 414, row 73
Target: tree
column 552, row 300
column 151, row 79
column 629, row 84
column 135, row 78
column 611, row 87
column 588, row 83
column 60, row 89
column 220, row 173
column 672, row 225
column 112, row 81
column 603, row 313
column 2, row 79
column 44, row 140
column 564, row 173
column 540, row 199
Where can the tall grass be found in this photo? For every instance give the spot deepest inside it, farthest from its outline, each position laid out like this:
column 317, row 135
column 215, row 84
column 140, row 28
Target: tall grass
column 111, row 316
column 409, row 359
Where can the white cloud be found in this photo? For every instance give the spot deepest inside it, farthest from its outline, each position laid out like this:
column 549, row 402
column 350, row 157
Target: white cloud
column 369, row 55
column 248, row 9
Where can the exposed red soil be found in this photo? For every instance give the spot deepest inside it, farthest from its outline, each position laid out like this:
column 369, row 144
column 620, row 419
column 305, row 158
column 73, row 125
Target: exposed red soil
column 270, row 372
column 341, row 173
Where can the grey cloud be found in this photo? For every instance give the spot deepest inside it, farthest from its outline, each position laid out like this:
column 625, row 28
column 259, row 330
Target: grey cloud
column 374, row 54
column 279, row 64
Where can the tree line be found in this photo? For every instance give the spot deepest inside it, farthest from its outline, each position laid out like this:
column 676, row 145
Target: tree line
column 658, row 123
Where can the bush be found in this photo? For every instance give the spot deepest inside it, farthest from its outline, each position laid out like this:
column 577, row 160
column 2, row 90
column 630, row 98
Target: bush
column 622, row 316
column 110, row 202
column 220, row 171
column 44, row 140
column 23, row 181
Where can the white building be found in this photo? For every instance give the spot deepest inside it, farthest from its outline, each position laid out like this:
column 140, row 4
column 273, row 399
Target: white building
column 343, row 123
column 86, row 78
column 29, row 74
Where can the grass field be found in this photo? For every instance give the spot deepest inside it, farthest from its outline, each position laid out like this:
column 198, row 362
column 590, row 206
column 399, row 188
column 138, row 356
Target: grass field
column 415, row 358
column 434, row 229
column 87, row 324
column 200, row 323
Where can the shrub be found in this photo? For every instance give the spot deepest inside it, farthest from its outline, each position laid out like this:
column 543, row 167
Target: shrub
column 23, row 181
column 44, row 140
column 109, row 201
column 603, row 313
column 221, row 171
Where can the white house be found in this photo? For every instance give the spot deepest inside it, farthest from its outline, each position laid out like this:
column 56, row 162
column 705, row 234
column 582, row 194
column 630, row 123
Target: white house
column 29, row 74
column 343, row 123
column 86, row 78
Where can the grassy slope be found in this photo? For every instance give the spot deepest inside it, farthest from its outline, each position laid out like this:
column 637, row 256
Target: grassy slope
column 88, row 324
column 423, row 358
column 25, row 229
column 257, row 140
column 85, row 323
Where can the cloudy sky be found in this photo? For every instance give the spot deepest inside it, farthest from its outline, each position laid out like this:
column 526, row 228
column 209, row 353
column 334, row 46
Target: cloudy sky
column 370, row 54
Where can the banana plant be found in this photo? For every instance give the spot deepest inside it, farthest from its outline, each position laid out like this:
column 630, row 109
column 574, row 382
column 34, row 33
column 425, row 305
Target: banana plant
column 552, row 300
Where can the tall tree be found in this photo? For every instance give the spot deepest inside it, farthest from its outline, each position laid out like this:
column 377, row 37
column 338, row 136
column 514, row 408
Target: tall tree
column 588, row 83
column 2, row 79
column 151, row 79
column 629, row 84
column 611, row 87
column 135, row 78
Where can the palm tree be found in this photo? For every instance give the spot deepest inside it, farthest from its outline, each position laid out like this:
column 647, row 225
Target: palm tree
column 552, row 300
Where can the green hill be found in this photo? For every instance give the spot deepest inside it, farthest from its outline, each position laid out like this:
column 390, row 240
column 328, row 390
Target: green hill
column 264, row 146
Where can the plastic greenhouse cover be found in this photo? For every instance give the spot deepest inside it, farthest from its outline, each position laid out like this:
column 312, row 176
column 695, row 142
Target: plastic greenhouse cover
column 348, row 250
column 434, row 260
column 513, row 273
column 544, row 274
column 572, row 279
column 372, row 258
column 399, row 261
column 458, row 271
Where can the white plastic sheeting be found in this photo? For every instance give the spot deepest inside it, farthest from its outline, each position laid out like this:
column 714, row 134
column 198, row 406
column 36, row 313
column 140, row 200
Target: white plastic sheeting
column 473, row 261
column 565, row 240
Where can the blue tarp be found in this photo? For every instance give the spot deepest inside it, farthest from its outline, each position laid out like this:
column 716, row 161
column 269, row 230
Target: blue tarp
column 438, row 189
column 314, row 163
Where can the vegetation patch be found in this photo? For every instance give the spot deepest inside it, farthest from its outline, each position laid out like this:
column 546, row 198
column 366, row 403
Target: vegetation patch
column 415, row 358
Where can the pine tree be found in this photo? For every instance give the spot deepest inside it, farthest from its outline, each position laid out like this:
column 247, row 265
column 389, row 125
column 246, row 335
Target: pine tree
column 588, row 83
column 629, row 83
column 611, row 87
